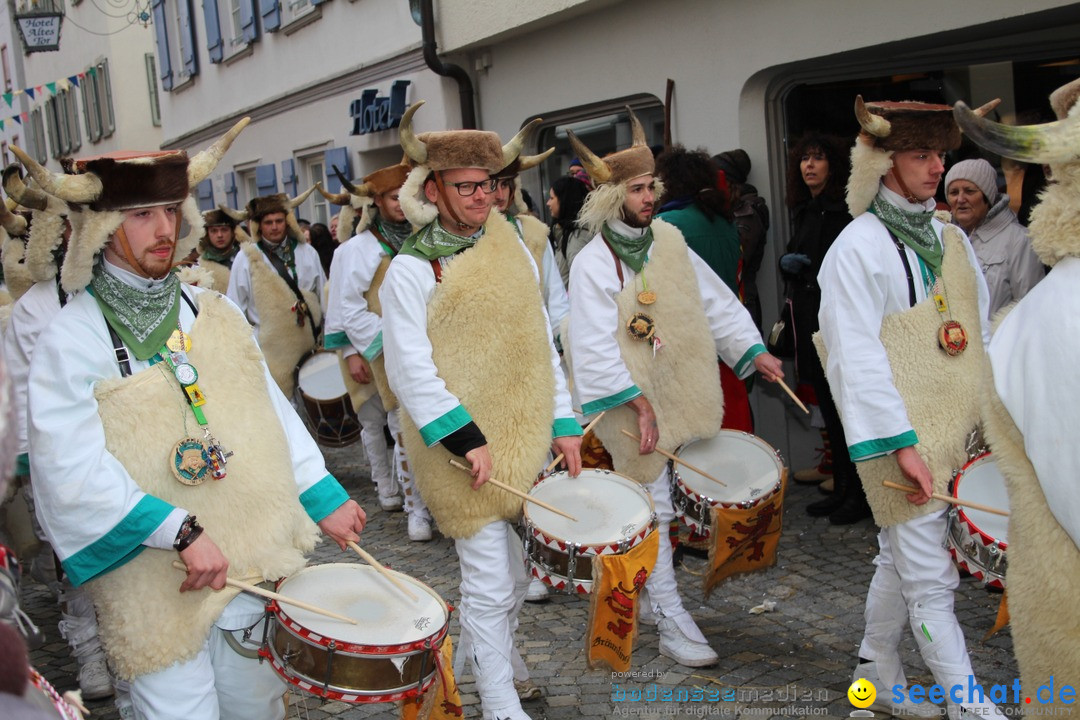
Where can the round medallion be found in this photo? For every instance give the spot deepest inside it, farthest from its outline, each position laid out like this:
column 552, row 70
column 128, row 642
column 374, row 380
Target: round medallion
column 646, row 297
column 641, row 327
column 952, row 337
column 179, row 341
column 186, row 374
column 188, row 462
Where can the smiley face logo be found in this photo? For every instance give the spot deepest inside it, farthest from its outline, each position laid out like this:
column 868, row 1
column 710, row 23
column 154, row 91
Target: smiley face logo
column 862, row 693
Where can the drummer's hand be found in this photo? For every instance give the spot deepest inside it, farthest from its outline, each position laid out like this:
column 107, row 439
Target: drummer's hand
column 569, row 447
column 344, row 524
column 647, row 428
column 206, row 565
column 359, row 368
column 480, row 459
column 915, row 470
column 770, row 367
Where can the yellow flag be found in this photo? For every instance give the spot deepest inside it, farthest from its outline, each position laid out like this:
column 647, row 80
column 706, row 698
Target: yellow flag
column 745, row 540
column 441, row 701
column 1002, row 617
column 617, row 581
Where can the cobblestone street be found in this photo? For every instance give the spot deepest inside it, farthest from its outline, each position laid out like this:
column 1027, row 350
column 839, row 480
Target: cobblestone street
column 793, row 661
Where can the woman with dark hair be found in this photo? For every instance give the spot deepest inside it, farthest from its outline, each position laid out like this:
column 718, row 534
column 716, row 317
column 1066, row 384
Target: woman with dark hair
column 565, row 198
column 816, row 177
column 324, row 244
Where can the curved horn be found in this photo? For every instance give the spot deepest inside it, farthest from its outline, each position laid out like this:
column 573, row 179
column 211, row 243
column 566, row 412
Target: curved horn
column 984, row 110
column 598, row 169
column 344, row 182
column 1047, row 143
column 530, row 161
column 20, row 193
column 413, row 146
column 302, row 196
column 341, row 198
column 200, row 166
column 15, row 225
column 72, row 188
column 237, row 215
column 512, row 150
column 637, row 132
column 873, row 124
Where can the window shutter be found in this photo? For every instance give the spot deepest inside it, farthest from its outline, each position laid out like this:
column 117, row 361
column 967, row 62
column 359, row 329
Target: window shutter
column 162, row 33
column 214, row 42
column 247, row 20
column 204, row 195
column 317, row 2
column 337, row 157
column 188, row 54
column 271, row 14
column 288, row 177
column 266, row 179
column 230, row 190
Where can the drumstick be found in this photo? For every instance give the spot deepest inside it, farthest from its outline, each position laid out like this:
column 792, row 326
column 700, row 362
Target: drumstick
column 677, row 459
column 270, row 594
column 948, row 498
column 792, row 395
column 559, row 458
column 380, row 569
column 514, row 491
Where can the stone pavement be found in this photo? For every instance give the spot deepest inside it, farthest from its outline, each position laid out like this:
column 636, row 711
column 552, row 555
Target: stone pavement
column 793, row 661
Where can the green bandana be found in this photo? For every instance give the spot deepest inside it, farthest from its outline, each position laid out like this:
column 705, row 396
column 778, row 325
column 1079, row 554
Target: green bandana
column 913, row 229
column 143, row 319
column 283, row 250
column 633, row 251
column 224, row 258
column 433, row 241
column 395, row 234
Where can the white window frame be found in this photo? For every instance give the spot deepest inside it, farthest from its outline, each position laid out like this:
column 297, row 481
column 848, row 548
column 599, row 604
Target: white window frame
column 312, row 170
column 247, row 188
column 97, row 103
column 37, row 135
column 295, row 14
column 152, row 89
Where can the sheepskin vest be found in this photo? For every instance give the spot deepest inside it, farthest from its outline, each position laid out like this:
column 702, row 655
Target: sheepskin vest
column 220, row 274
column 283, row 342
column 358, row 393
column 145, row 623
column 940, row 392
column 17, row 276
column 681, row 381
column 1044, row 562
column 535, row 236
column 490, row 343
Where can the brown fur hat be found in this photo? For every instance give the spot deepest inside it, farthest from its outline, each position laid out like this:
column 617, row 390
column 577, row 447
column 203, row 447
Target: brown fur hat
column 131, row 180
column 387, row 179
column 217, row 217
column 620, row 166
column 260, row 206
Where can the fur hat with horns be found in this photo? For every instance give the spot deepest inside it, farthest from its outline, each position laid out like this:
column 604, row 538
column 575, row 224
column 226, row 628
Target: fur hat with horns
column 891, row 126
column 98, row 190
column 1055, row 221
column 259, row 207
column 13, row 230
column 362, row 197
column 48, row 220
column 519, row 165
column 218, row 217
column 447, row 150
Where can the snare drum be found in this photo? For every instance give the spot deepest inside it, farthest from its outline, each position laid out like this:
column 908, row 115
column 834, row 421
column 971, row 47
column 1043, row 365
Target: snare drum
column 390, row 655
column 977, row 539
column 748, row 466
column 613, row 513
column 320, row 391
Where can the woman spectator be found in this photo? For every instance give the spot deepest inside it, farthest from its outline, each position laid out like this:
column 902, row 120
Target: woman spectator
column 816, row 176
column 323, row 242
column 1000, row 242
column 564, row 203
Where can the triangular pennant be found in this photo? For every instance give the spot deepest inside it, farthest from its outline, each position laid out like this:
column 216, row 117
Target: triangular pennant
column 30, row 92
column 1, row 124
column 74, row 80
column 17, row 119
column 25, row 116
column 52, row 87
column 92, row 72
column 7, row 98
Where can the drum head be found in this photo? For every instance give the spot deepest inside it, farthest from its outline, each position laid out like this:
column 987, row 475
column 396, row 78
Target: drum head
column 320, row 377
column 385, row 615
column 608, row 507
column 980, row 481
column 749, row 467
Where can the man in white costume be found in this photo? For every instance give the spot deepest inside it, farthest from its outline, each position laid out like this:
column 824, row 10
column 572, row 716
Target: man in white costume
column 647, row 320
column 903, row 324
column 469, row 354
column 1030, row 407
column 141, row 390
column 219, row 247
column 354, row 328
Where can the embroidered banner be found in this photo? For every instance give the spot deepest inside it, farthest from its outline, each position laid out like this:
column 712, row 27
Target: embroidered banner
column 745, row 540
column 617, row 582
column 442, row 700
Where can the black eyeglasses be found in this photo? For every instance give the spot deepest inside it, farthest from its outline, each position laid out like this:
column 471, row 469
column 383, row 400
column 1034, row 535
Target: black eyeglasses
column 468, row 189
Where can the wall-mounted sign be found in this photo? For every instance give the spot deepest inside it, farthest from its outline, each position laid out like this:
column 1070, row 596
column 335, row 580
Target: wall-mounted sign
column 40, row 31
column 372, row 113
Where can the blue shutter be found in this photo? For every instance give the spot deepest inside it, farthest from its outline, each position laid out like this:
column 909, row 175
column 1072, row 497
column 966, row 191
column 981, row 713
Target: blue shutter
column 162, row 33
column 271, row 14
column 230, row 190
column 288, row 177
column 266, row 179
column 247, row 20
column 317, row 2
column 214, row 42
column 204, row 195
column 337, row 157
column 188, row 54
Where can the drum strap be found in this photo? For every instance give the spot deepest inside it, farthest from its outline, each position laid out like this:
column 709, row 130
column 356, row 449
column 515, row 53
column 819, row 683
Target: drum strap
column 122, row 357
column 436, row 267
column 618, row 265
column 907, row 268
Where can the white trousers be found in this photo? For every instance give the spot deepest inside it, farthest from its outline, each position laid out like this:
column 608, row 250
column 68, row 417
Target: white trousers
column 414, row 504
column 493, row 586
column 662, row 585
column 913, row 585
column 218, row 683
column 372, row 419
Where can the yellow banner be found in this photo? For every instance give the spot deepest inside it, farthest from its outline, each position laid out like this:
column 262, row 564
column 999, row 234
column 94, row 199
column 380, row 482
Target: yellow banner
column 1002, row 618
column 745, row 540
column 441, row 701
column 617, row 582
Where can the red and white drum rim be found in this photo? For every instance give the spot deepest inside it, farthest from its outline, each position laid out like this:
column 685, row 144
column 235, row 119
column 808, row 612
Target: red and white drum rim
column 346, row 696
column 985, row 537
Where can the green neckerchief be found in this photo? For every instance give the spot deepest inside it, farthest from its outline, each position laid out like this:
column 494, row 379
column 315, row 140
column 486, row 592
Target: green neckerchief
column 913, row 229
column 633, row 251
column 284, row 250
column 395, row 234
column 225, row 258
column 433, row 241
column 144, row 319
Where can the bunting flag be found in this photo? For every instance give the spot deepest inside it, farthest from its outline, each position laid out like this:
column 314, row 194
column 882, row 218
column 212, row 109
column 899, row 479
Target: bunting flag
column 30, row 92
column 8, row 97
column 52, row 87
column 17, row 119
column 74, row 80
column 37, row 93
